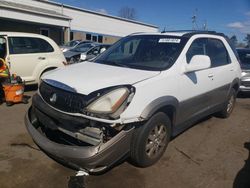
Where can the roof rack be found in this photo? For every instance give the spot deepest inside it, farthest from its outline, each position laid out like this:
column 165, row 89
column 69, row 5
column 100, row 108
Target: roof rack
column 190, row 33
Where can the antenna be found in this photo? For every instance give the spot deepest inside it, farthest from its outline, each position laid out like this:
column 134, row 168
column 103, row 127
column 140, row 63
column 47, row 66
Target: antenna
column 164, row 30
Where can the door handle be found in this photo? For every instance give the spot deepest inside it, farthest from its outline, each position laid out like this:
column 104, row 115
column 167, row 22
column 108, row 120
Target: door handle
column 210, row 76
column 42, row 58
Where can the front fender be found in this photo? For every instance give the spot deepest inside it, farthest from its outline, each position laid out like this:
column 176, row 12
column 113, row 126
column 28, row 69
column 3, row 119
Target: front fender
column 159, row 103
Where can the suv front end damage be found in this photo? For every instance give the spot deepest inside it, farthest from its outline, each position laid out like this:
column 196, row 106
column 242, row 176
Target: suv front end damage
column 76, row 142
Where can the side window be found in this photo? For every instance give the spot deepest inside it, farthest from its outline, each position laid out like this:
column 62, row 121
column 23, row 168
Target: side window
column 26, row 45
column 94, row 51
column 198, row 47
column 217, row 53
column 3, row 50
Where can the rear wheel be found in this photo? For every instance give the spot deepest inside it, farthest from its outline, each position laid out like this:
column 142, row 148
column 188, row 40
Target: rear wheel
column 228, row 108
column 150, row 140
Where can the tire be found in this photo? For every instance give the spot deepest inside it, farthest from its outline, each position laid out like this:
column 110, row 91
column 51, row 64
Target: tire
column 229, row 106
column 150, row 140
column 72, row 60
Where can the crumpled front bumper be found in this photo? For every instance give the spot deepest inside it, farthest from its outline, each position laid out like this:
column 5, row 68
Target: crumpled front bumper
column 92, row 159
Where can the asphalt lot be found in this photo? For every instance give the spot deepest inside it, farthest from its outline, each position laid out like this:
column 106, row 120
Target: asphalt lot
column 213, row 153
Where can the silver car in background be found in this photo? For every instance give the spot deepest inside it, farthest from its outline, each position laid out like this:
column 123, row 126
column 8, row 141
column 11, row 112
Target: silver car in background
column 93, row 52
column 244, row 55
column 69, row 45
column 73, row 44
column 73, row 55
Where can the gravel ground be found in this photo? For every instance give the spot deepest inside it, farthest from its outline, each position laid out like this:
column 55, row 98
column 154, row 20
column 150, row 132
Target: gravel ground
column 212, row 154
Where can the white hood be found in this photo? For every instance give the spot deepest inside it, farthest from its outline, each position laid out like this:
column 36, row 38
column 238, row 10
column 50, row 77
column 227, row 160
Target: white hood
column 88, row 77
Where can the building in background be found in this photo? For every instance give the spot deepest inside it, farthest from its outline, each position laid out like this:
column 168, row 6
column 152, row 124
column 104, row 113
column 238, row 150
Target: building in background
column 63, row 22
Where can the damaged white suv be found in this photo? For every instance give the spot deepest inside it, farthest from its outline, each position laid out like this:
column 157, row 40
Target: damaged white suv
column 132, row 99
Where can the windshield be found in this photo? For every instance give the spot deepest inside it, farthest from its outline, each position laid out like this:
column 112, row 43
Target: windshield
column 147, row 52
column 71, row 43
column 82, row 47
column 244, row 56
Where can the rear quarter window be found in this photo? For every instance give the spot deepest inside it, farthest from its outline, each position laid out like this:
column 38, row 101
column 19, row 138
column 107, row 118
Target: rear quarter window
column 27, row 45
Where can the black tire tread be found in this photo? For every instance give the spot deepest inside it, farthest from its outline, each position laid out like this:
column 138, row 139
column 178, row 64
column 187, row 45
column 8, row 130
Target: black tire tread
column 137, row 151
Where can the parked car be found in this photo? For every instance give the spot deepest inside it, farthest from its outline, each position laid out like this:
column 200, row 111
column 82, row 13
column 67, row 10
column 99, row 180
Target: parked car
column 73, row 56
column 244, row 55
column 93, row 52
column 132, row 99
column 30, row 55
column 69, row 45
column 73, row 44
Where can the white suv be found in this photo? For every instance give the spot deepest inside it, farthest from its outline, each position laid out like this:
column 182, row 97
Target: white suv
column 30, row 55
column 132, row 99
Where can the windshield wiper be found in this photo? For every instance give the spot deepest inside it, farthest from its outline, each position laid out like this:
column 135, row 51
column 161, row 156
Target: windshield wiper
column 113, row 63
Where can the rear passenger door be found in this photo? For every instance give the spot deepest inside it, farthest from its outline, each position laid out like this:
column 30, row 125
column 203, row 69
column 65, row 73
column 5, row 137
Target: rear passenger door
column 26, row 54
column 221, row 70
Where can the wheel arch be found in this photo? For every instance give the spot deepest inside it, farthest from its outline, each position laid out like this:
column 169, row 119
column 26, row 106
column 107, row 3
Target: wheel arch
column 235, row 85
column 166, row 104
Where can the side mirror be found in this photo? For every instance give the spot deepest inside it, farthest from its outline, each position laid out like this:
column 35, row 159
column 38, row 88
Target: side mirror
column 198, row 62
column 102, row 50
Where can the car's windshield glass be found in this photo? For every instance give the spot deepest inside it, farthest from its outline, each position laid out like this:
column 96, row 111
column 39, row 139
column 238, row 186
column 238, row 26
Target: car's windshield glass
column 244, row 56
column 147, row 52
column 82, row 47
column 71, row 43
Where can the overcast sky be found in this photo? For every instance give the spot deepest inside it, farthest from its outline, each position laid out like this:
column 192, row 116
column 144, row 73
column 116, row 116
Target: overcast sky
column 228, row 16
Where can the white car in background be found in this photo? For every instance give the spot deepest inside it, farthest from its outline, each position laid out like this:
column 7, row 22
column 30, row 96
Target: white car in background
column 29, row 55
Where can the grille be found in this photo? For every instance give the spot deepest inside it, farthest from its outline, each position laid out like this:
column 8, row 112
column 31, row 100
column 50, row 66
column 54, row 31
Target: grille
column 63, row 100
column 245, row 83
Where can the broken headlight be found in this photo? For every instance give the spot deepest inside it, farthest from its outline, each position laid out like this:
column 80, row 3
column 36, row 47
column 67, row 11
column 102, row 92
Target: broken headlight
column 112, row 103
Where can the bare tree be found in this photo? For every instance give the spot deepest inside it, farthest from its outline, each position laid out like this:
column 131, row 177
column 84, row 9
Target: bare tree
column 127, row 12
column 247, row 40
column 234, row 40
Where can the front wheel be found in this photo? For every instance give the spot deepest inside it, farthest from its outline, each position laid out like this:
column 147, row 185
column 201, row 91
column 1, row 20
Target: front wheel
column 150, row 140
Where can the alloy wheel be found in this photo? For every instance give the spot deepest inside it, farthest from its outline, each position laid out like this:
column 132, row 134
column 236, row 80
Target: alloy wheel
column 156, row 141
column 230, row 104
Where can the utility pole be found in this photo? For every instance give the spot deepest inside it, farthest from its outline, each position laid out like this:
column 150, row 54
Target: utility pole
column 205, row 25
column 194, row 20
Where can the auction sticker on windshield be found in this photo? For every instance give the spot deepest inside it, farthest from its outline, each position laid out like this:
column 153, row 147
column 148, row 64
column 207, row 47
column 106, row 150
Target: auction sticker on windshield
column 169, row 40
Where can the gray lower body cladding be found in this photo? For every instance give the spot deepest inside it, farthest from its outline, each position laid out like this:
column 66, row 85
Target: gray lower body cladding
column 76, row 154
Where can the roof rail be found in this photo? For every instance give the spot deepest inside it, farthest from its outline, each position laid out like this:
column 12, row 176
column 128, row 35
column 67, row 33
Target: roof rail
column 135, row 33
column 195, row 32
